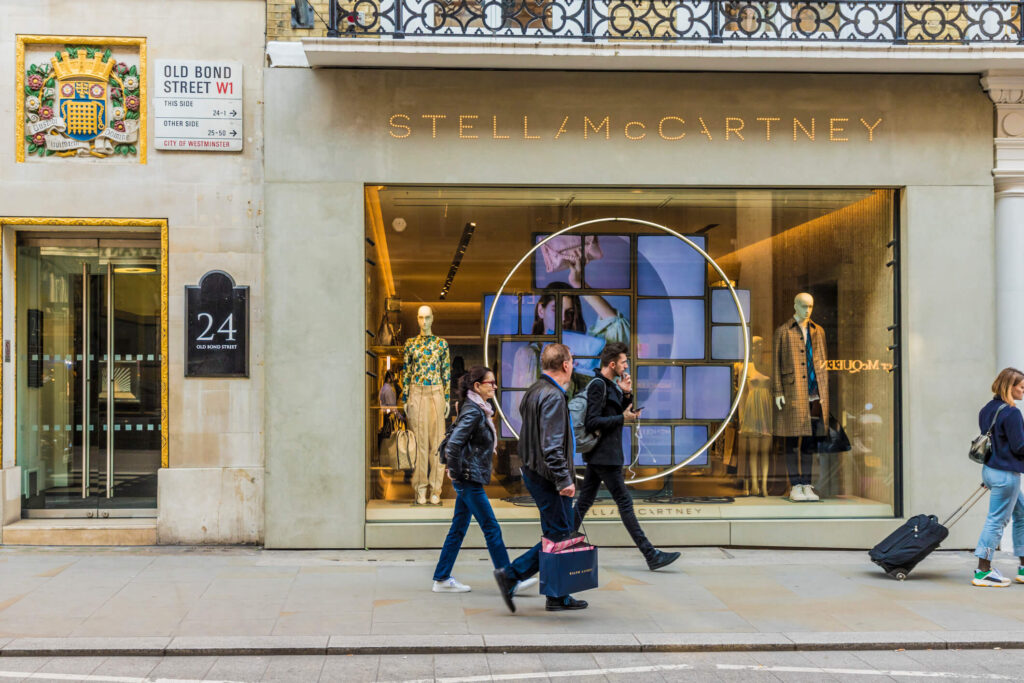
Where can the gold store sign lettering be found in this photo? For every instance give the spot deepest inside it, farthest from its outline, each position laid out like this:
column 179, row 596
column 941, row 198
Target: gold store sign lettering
column 855, row 366
column 666, row 128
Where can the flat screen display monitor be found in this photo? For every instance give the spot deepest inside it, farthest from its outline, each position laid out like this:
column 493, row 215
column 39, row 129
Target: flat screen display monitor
column 689, row 438
column 659, row 391
column 611, row 270
column 530, row 318
column 520, row 364
column 605, row 261
column 510, row 406
column 667, row 266
column 602, row 319
column 723, row 308
column 655, row 445
column 663, row 445
column 708, row 392
column 727, row 342
column 506, row 314
column 670, row 329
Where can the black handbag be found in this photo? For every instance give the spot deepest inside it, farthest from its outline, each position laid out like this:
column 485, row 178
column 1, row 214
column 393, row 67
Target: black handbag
column 835, row 441
column 981, row 447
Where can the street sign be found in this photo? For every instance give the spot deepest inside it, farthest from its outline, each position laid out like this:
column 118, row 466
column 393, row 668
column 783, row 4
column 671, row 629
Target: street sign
column 197, row 105
column 217, row 327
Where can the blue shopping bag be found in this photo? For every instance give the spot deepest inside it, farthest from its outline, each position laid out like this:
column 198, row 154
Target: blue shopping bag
column 570, row 571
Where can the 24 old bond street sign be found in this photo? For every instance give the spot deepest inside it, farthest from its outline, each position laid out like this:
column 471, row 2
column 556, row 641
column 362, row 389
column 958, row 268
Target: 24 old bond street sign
column 197, row 105
column 217, row 327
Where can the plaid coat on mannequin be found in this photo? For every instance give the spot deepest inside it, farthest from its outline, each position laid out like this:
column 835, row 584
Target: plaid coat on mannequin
column 789, row 377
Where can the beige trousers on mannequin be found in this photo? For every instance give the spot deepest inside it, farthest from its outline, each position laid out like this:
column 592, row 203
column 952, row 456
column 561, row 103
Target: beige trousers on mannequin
column 425, row 409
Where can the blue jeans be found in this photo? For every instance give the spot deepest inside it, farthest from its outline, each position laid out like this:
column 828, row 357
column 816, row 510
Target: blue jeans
column 556, row 521
column 1006, row 501
column 470, row 501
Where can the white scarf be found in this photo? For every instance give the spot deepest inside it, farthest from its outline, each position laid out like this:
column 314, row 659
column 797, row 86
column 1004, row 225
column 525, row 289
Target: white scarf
column 488, row 411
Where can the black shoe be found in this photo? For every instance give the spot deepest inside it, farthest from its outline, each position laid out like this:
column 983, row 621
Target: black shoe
column 507, row 587
column 661, row 559
column 564, row 604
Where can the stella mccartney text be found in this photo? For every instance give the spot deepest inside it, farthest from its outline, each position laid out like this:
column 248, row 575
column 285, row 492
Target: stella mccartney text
column 670, row 128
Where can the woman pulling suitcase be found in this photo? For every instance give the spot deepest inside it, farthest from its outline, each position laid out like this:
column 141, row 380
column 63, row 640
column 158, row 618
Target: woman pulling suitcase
column 1001, row 474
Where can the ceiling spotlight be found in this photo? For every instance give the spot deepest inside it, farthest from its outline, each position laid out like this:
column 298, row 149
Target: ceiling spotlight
column 399, row 224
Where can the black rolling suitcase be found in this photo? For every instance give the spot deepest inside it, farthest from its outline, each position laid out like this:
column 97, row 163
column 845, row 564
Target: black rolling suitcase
column 904, row 548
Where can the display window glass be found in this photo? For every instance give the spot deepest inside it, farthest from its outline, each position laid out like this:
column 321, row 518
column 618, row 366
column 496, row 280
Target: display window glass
column 814, row 432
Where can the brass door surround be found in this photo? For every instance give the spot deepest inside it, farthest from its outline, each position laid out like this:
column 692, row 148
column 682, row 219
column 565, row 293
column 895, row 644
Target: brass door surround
column 67, row 227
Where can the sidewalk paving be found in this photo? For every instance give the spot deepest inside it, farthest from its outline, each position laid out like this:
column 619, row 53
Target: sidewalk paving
column 224, row 601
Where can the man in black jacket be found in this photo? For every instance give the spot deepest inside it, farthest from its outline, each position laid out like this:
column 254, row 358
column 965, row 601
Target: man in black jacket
column 546, row 446
column 609, row 406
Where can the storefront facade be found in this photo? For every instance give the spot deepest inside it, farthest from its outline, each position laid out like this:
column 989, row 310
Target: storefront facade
column 105, row 440
column 366, row 188
column 425, row 188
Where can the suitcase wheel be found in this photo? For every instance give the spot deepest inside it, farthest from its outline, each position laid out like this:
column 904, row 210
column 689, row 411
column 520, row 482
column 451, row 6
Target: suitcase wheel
column 899, row 573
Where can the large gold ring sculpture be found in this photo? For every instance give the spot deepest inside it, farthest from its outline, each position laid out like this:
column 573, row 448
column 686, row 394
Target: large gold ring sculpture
column 711, row 261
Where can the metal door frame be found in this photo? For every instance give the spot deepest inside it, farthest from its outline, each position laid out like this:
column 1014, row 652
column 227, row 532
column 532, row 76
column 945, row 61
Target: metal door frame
column 121, row 232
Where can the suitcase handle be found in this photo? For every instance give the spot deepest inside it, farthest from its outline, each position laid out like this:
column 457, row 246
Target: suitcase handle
column 966, row 506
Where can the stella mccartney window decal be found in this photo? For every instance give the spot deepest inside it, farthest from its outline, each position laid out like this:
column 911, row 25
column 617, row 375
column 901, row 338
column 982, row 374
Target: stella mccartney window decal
column 672, row 127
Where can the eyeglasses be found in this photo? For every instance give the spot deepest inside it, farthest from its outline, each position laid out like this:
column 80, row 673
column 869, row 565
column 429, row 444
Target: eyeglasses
column 492, row 382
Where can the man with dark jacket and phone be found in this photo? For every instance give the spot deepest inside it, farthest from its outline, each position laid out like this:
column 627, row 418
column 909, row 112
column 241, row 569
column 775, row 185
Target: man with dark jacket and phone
column 609, row 406
column 547, row 446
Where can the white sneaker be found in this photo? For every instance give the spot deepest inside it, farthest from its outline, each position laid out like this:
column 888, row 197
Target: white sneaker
column 435, row 499
column 421, row 498
column 450, row 585
column 523, row 585
column 991, row 578
column 796, row 493
column 809, row 493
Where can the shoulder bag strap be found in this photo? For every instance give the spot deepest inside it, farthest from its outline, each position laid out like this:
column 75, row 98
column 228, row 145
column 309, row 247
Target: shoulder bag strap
column 994, row 418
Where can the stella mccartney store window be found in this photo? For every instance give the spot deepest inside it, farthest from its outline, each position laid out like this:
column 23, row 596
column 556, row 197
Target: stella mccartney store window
column 783, row 454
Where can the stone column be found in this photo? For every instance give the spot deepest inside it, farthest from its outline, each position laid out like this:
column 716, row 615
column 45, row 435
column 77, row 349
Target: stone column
column 1007, row 92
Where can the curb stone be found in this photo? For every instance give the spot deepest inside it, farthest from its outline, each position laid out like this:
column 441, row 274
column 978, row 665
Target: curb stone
column 506, row 643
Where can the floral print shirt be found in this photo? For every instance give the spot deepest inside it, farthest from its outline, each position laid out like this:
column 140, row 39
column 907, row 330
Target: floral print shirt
column 427, row 364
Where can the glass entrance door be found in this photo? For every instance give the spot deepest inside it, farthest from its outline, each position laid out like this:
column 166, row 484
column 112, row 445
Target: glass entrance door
column 88, row 388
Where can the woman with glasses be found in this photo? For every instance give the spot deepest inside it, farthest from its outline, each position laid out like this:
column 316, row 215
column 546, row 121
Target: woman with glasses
column 468, row 455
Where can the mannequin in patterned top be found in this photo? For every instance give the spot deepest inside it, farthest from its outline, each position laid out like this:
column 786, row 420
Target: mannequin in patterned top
column 426, row 382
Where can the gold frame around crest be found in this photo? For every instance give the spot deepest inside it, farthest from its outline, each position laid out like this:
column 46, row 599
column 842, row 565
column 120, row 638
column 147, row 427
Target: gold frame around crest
column 19, row 102
column 160, row 223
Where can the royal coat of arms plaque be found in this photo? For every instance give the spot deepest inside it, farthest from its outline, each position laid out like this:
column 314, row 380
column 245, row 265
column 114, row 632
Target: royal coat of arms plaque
column 81, row 99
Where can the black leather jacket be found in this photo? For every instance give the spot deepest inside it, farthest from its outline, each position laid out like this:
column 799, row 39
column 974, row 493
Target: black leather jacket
column 468, row 454
column 605, row 405
column 545, row 440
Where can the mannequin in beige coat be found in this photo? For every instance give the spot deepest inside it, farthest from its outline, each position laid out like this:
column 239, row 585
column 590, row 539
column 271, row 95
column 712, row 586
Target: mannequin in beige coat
column 800, row 397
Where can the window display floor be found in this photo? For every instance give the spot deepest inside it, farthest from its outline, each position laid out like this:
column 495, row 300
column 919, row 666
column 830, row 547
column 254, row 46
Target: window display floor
column 772, row 507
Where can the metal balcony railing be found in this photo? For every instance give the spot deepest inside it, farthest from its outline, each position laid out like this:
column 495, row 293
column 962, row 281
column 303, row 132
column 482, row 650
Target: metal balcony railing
column 710, row 21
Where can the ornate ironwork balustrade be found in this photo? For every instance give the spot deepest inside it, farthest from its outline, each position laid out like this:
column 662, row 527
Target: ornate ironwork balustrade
column 709, row 21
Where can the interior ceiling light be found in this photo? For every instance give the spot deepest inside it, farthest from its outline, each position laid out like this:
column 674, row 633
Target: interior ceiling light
column 399, row 224
column 467, row 235
column 134, row 270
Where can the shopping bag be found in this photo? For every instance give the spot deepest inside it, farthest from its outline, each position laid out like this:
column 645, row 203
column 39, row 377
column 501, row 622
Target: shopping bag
column 572, row 570
column 397, row 444
column 549, row 546
column 406, row 449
